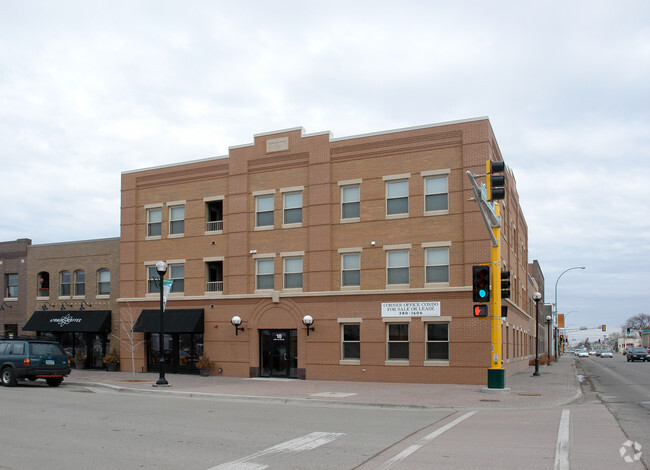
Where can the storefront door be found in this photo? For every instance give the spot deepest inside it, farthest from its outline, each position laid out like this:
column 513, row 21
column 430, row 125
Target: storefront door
column 278, row 353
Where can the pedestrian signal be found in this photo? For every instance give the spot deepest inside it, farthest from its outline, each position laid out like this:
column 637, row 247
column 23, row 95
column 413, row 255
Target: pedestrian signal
column 480, row 310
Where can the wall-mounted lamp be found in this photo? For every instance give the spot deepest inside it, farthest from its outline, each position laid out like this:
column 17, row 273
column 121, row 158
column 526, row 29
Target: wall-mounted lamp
column 373, row 243
column 44, row 306
column 63, row 304
column 253, row 252
column 308, row 321
column 5, row 304
column 82, row 305
column 236, row 321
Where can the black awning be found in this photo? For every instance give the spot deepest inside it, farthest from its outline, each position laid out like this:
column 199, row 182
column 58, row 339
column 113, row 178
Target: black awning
column 183, row 320
column 70, row 320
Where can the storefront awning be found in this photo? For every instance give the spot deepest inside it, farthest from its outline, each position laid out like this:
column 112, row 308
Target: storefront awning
column 70, row 320
column 188, row 320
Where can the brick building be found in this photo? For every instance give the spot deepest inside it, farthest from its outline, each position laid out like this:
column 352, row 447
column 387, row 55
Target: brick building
column 71, row 294
column 13, row 276
column 372, row 236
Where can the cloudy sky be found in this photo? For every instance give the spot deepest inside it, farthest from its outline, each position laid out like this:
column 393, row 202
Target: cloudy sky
column 91, row 89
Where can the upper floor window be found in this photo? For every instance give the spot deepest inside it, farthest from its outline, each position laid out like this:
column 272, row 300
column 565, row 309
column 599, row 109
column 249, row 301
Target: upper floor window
column 397, row 267
column 293, row 207
column 264, row 273
column 264, row 210
column 11, row 286
column 176, row 272
column 437, row 264
column 43, row 284
column 436, row 196
column 293, row 272
column 154, row 222
column 177, row 220
column 351, row 201
column 351, row 341
column 215, row 276
column 214, row 216
column 397, row 197
column 103, row 282
column 351, row 269
column 79, row 282
column 64, row 282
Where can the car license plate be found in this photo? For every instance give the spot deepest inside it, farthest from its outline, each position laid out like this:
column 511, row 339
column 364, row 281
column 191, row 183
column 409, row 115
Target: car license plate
column 49, row 362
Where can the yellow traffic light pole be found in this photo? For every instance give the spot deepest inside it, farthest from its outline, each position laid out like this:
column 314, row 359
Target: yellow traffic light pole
column 496, row 373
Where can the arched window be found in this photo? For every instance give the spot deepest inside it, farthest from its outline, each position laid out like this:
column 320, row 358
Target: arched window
column 80, row 282
column 43, row 284
column 103, row 282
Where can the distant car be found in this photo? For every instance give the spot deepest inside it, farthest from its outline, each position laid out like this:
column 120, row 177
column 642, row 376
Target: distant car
column 583, row 354
column 598, row 352
column 606, row 354
column 637, row 354
column 592, row 352
column 32, row 359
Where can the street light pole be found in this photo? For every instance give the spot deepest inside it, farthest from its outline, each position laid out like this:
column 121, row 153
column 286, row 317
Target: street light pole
column 555, row 292
column 537, row 297
column 161, row 267
column 549, row 320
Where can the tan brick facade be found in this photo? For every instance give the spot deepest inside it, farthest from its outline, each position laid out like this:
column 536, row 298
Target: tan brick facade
column 304, row 176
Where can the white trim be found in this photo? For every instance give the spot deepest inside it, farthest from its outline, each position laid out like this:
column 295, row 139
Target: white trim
column 402, row 176
column 403, row 246
column 292, row 254
column 426, row 173
column 263, row 256
column 445, row 244
column 350, row 182
column 263, row 192
column 293, row 189
column 157, row 205
column 213, row 258
column 350, row 250
column 176, row 203
column 213, row 198
column 349, row 320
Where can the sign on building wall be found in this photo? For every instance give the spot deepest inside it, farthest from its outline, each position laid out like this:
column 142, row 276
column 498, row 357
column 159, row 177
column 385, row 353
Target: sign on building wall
column 410, row 309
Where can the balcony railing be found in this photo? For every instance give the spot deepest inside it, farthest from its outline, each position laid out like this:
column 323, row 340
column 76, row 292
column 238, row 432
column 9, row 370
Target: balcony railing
column 214, row 226
column 214, row 286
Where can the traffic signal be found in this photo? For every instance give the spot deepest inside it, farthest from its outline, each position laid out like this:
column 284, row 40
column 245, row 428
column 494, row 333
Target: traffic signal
column 495, row 184
column 628, row 331
column 480, row 310
column 604, row 328
column 481, row 283
column 505, row 284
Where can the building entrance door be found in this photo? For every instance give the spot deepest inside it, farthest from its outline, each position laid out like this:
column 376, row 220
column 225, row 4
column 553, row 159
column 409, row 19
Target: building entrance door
column 278, row 353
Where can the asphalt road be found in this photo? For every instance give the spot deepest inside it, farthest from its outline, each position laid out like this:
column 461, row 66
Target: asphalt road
column 624, row 388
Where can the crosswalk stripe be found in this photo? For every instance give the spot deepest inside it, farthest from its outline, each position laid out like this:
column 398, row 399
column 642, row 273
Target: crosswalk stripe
column 562, row 445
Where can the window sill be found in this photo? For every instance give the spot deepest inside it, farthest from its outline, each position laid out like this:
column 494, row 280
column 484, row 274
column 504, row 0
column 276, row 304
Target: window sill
column 396, row 216
column 398, row 286
column 103, row 296
column 156, row 237
column 350, row 288
column 41, row 298
column 213, row 293
column 213, row 232
column 350, row 362
column 351, row 220
column 397, row 362
column 436, row 363
column 434, row 213
column 64, row 297
column 263, row 227
column 296, row 225
column 176, row 235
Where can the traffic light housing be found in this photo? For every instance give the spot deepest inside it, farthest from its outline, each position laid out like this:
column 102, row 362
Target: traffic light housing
column 505, row 284
column 495, row 183
column 604, row 327
column 480, row 310
column 481, row 283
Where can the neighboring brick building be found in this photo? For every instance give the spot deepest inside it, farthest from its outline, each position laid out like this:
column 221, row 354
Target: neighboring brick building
column 372, row 236
column 72, row 292
column 13, row 279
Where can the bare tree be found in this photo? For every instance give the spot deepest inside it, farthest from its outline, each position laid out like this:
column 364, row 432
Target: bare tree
column 127, row 330
column 638, row 322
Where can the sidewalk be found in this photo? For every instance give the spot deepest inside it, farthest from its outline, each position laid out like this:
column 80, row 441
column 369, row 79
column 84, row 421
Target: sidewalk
column 557, row 385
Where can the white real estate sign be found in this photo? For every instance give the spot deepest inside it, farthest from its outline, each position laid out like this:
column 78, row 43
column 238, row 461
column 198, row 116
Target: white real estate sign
column 410, row 309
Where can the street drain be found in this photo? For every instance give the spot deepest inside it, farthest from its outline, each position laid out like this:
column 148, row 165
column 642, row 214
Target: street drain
column 529, row 394
column 491, row 401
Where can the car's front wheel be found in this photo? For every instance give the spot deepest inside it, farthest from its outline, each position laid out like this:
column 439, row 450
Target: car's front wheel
column 8, row 377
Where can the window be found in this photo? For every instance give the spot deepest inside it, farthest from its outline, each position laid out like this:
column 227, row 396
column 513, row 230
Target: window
column 154, row 222
column 397, row 267
column 264, row 276
column 177, row 274
column 64, row 277
column 351, row 202
column 80, row 282
column 293, row 273
column 153, row 280
column 398, row 341
column 437, row 264
column 397, row 197
column 11, row 285
column 436, row 197
column 215, row 276
column 177, row 220
column 214, row 216
column 43, row 284
column 437, row 341
column 264, row 211
column 103, row 282
column 293, row 208
column 350, row 341
column 351, row 269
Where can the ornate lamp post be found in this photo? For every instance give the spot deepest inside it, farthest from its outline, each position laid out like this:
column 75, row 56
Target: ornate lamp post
column 537, row 297
column 549, row 323
column 161, row 267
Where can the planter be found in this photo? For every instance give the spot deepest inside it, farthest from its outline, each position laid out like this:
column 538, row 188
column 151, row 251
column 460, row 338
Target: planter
column 204, row 372
column 80, row 364
column 112, row 367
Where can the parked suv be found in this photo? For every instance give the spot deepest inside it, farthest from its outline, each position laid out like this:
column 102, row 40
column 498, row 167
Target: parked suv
column 640, row 354
column 32, row 358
